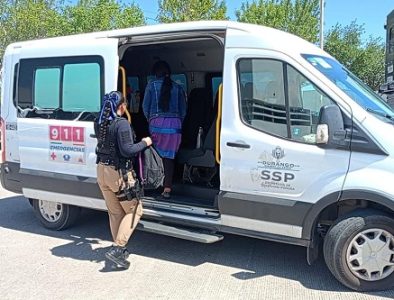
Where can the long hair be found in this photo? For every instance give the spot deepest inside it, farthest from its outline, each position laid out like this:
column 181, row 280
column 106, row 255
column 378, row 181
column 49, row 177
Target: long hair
column 112, row 101
column 162, row 70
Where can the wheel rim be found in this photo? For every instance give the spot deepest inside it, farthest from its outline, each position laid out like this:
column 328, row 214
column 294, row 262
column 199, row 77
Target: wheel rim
column 50, row 211
column 370, row 255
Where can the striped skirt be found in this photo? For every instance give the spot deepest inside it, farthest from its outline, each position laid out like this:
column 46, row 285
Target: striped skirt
column 166, row 135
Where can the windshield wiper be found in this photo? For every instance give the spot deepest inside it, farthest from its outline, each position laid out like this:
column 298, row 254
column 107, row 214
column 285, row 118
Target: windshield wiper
column 380, row 113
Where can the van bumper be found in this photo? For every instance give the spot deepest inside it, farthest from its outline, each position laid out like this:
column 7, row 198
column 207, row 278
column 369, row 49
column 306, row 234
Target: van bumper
column 10, row 178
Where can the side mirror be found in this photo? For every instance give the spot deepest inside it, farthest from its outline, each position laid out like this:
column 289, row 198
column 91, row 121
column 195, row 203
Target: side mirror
column 330, row 129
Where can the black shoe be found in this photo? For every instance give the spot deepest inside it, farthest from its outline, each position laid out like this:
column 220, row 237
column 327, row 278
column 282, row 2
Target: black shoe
column 119, row 256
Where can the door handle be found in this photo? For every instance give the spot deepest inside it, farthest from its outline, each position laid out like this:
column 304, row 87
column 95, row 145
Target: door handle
column 93, row 135
column 238, row 145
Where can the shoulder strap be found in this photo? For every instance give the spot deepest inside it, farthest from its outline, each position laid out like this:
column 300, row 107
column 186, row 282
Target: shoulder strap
column 141, row 170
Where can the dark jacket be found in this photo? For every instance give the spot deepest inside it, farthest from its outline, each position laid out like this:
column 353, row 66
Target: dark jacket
column 121, row 136
column 125, row 140
column 151, row 107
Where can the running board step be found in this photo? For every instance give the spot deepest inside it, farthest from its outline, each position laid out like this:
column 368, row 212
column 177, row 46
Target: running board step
column 178, row 232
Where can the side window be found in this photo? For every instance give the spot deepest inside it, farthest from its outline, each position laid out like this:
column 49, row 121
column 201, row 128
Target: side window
column 81, row 87
column 181, row 80
column 277, row 99
column 262, row 95
column 16, row 69
column 134, row 83
column 305, row 101
column 178, row 78
column 1, row 86
column 47, row 88
column 133, row 94
column 66, row 86
column 215, row 82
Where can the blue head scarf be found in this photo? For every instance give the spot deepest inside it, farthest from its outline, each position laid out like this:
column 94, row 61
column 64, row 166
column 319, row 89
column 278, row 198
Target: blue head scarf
column 110, row 105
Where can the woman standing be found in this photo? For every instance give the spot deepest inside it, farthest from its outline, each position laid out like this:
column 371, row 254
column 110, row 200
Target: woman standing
column 115, row 152
column 164, row 107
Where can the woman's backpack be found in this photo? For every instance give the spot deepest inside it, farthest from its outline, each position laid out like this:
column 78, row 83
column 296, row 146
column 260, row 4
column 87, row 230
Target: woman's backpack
column 151, row 169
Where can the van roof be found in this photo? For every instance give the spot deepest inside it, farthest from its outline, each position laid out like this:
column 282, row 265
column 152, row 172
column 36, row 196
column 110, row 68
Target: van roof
column 270, row 38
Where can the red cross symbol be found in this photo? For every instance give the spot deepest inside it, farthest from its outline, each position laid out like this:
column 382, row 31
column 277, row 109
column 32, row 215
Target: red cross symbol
column 53, row 155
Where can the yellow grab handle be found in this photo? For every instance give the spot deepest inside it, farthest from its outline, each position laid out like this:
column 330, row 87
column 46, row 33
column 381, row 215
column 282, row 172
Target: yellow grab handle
column 124, row 92
column 218, row 122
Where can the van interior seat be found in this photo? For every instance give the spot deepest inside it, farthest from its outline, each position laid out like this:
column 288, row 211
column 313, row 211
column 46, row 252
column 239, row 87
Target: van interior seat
column 203, row 157
column 200, row 157
column 199, row 112
column 138, row 120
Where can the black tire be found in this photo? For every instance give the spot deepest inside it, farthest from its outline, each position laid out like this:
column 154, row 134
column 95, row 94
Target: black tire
column 337, row 242
column 65, row 218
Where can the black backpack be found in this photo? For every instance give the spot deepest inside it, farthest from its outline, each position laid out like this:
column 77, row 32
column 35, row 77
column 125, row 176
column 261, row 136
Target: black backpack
column 151, row 169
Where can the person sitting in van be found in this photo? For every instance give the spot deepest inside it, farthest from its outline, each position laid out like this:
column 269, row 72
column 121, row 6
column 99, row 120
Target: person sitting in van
column 164, row 107
column 115, row 152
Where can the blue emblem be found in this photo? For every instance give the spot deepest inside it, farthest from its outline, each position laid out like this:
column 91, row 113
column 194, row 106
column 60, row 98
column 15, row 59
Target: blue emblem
column 66, row 157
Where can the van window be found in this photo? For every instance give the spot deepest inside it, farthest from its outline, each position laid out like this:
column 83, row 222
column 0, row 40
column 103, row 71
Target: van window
column 216, row 81
column 1, row 85
column 178, row 78
column 16, row 69
column 262, row 95
column 69, row 85
column 81, row 87
column 134, row 83
column 181, row 80
column 133, row 96
column 47, row 88
column 305, row 101
column 277, row 99
column 349, row 83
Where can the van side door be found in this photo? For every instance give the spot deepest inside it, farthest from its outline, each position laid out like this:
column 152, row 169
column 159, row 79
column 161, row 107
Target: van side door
column 59, row 94
column 272, row 170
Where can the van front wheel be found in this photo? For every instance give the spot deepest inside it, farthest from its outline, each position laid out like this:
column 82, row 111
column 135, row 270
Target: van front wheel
column 359, row 251
column 55, row 216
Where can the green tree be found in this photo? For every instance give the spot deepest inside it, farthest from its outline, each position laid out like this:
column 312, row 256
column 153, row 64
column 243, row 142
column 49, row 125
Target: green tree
column 28, row 19
column 98, row 15
column 300, row 17
column 31, row 19
column 191, row 10
column 365, row 59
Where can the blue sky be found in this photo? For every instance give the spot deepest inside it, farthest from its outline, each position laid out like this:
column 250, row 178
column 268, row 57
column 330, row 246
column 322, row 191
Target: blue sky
column 371, row 13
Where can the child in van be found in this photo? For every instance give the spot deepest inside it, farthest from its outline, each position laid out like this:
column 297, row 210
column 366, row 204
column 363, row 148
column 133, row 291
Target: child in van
column 164, row 107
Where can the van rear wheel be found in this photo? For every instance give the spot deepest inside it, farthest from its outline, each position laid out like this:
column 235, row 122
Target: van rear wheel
column 359, row 251
column 55, row 216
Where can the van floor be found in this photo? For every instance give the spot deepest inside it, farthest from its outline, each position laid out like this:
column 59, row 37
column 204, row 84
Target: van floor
column 185, row 194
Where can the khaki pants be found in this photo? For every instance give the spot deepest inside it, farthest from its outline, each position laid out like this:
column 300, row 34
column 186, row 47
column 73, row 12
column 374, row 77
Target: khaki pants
column 121, row 214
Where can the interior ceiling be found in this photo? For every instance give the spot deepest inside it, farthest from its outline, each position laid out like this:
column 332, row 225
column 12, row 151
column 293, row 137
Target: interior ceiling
column 202, row 55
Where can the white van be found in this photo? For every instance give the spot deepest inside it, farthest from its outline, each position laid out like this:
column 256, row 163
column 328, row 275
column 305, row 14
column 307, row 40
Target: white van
column 293, row 147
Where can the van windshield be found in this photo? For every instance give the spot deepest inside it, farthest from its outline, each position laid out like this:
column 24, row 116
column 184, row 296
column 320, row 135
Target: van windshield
column 351, row 85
